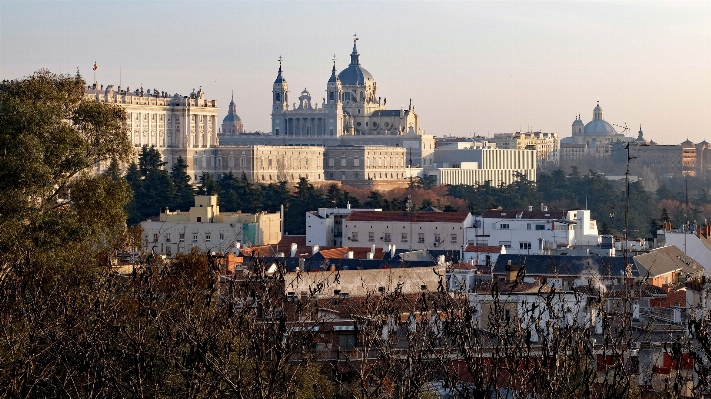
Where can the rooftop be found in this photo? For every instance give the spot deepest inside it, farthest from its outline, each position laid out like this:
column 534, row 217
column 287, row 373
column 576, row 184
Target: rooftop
column 402, row 216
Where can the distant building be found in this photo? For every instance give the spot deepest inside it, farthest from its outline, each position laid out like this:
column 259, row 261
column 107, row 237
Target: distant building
column 232, row 123
column 476, row 166
column 351, row 113
column 545, row 144
column 413, row 230
column 324, row 227
column 270, row 164
column 204, row 227
column 596, row 131
column 356, row 165
column 177, row 126
column 536, row 231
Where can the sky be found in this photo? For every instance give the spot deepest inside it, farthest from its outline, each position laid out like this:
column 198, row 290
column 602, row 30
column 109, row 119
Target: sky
column 469, row 67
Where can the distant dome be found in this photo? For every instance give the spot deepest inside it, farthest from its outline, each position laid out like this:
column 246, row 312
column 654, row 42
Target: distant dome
column 355, row 74
column 232, row 118
column 599, row 127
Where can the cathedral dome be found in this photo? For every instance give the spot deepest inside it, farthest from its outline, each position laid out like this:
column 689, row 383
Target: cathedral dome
column 599, row 127
column 231, row 118
column 355, row 75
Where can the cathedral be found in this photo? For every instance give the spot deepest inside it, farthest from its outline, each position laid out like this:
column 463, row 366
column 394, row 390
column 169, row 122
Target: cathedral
column 351, row 107
column 597, row 131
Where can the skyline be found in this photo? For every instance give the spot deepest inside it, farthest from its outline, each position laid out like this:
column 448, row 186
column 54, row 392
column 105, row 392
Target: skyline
column 469, row 68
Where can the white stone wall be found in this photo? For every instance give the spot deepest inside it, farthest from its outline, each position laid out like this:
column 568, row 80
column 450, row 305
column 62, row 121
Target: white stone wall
column 406, row 235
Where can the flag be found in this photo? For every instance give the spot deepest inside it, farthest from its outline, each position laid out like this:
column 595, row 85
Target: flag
column 95, row 66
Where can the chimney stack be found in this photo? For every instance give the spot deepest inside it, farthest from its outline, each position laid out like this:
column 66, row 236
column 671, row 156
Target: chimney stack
column 314, row 249
column 293, row 249
column 392, row 251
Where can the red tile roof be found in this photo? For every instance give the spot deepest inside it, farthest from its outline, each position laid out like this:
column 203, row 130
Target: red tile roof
column 483, row 248
column 463, row 266
column 286, row 241
column 401, row 216
column 334, row 253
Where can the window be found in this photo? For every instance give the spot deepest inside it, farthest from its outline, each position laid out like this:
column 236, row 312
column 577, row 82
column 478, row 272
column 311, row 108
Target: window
column 454, row 238
column 420, row 237
column 343, row 162
column 436, row 238
column 199, row 219
column 504, row 226
column 404, row 237
column 354, row 236
column 371, row 236
column 222, row 237
column 330, row 162
column 528, row 226
column 181, row 236
column 195, row 237
column 356, row 161
column 540, row 227
column 347, row 341
column 387, row 237
column 207, row 237
column 524, row 245
column 155, row 237
column 167, row 237
column 506, row 244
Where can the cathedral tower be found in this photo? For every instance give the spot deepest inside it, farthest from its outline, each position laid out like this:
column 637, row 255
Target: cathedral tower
column 280, row 102
column 334, row 104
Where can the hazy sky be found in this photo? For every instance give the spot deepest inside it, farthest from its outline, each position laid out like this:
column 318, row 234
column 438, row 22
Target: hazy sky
column 469, row 67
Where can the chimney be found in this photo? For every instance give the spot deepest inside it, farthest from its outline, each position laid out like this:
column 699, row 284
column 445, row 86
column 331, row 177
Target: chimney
column 293, row 249
column 372, row 248
column 314, row 249
column 511, row 272
column 440, row 260
column 369, row 255
column 301, row 263
column 348, row 205
column 386, row 247
column 238, row 245
column 530, row 208
column 545, row 209
column 392, row 251
column 541, row 205
column 349, row 255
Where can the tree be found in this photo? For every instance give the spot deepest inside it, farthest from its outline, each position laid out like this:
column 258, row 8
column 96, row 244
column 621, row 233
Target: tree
column 184, row 196
column 208, row 185
column 58, row 226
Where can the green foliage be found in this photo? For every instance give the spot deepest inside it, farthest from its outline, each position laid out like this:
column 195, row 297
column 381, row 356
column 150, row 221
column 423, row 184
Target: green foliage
column 184, row 196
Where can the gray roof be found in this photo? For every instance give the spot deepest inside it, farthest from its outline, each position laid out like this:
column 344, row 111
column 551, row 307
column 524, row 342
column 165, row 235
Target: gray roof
column 355, row 74
column 232, row 118
column 561, row 265
column 599, row 127
column 389, row 112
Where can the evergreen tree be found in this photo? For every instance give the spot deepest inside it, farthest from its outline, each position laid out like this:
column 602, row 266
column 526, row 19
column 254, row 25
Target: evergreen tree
column 184, row 195
column 208, row 185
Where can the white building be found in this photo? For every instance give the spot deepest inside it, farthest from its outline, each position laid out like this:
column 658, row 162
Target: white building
column 535, row 231
column 205, row 228
column 476, row 166
column 695, row 244
column 407, row 230
column 177, row 126
column 325, row 226
column 545, row 144
column 351, row 113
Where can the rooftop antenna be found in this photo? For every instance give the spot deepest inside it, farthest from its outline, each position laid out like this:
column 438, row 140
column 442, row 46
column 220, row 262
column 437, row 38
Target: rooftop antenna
column 627, row 203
